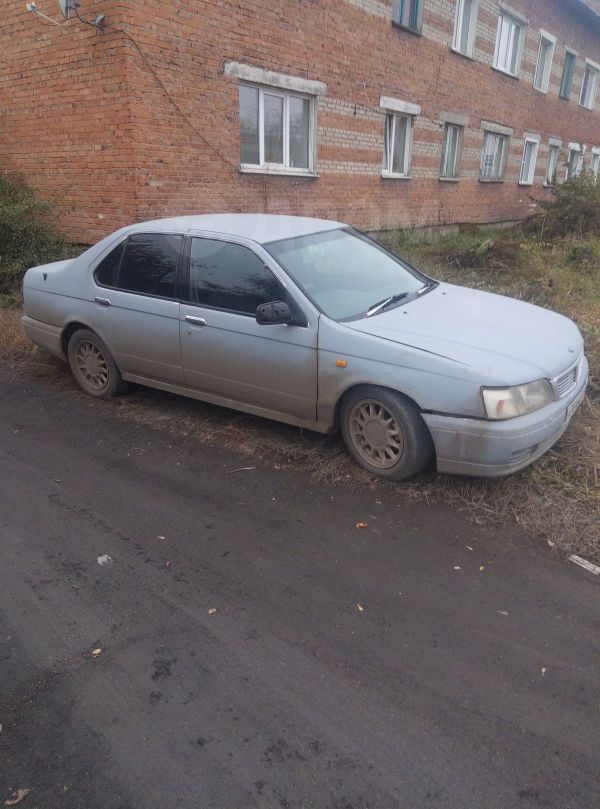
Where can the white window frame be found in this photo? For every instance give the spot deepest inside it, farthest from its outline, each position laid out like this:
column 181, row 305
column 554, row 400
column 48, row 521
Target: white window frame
column 595, row 164
column 521, row 26
column 505, row 141
column 594, row 70
column 534, row 140
column 444, row 161
column 458, row 27
column 388, row 143
column 574, row 54
column 542, row 82
column 284, row 167
column 554, row 148
column 578, row 149
column 408, row 14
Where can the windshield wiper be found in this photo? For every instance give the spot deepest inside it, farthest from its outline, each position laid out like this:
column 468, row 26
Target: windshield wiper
column 425, row 287
column 377, row 307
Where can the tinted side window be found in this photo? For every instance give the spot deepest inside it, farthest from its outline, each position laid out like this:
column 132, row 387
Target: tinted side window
column 106, row 271
column 149, row 265
column 229, row 276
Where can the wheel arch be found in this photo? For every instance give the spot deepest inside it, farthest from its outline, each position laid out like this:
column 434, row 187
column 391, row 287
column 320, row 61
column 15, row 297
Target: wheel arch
column 357, row 386
column 68, row 331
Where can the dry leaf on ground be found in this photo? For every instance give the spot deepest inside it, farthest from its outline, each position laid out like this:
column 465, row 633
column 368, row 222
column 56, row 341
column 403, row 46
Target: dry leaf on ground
column 17, row 797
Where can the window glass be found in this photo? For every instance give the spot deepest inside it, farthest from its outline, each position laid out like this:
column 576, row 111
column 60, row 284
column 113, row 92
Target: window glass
column 552, row 168
column 492, row 159
column 249, row 151
column 299, row 122
column 409, row 13
column 449, row 166
column 508, row 43
column 589, row 88
column 106, row 271
column 528, row 163
column 275, row 128
column 595, row 166
column 397, row 144
column 575, row 163
column 544, row 64
column 149, row 264
column 230, row 276
column 273, row 112
column 566, row 84
column 464, row 26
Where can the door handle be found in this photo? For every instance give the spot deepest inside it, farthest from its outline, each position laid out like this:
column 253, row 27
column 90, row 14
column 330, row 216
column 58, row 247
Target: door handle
column 195, row 321
column 102, row 301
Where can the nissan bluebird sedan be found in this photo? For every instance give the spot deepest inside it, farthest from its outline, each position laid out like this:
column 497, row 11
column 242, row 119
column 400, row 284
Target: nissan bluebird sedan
column 312, row 323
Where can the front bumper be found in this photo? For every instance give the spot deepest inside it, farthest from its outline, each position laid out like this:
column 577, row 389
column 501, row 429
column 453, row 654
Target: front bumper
column 467, row 446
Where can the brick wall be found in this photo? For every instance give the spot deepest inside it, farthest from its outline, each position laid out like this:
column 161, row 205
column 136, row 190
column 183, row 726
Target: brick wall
column 82, row 116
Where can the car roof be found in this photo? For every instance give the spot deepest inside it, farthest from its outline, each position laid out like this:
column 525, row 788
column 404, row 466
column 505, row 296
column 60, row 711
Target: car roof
column 259, row 227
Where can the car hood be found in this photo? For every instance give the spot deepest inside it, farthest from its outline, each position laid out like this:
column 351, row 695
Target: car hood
column 510, row 341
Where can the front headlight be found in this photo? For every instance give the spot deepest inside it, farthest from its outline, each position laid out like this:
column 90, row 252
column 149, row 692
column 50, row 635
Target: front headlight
column 506, row 403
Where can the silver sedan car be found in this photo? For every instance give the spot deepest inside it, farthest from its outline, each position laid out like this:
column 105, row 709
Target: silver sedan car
column 312, row 323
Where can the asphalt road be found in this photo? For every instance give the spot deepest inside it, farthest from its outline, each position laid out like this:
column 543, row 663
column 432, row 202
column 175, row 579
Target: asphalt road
column 449, row 686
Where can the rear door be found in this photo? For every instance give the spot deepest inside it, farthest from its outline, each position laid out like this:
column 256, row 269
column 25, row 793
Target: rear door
column 136, row 308
column 226, row 353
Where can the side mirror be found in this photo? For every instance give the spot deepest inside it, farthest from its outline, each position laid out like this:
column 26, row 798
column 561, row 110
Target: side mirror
column 275, row 312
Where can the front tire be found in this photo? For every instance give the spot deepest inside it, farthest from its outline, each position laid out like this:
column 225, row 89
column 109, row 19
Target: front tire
column 385, row 433
column 93, row 366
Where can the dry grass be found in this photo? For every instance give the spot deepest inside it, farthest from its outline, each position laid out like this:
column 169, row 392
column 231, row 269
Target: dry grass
column 557, row 498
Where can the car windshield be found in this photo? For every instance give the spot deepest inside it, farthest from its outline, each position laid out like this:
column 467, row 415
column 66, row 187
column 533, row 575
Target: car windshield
column 345, row 273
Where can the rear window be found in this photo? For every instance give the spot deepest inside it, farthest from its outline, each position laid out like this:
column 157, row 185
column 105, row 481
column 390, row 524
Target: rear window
column 145, row 263
column 106, row 271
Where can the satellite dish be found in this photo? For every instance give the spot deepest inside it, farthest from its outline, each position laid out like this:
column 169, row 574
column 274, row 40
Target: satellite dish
column 66, row 7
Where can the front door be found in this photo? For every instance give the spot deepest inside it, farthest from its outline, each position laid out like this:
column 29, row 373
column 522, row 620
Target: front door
column 225, row 352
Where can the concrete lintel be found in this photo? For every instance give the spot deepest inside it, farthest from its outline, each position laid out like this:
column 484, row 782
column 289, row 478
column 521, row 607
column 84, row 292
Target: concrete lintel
column 396, row 105
column 257, row 75
column 499, row 129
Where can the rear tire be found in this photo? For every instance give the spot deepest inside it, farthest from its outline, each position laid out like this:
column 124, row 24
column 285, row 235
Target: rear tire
column 93, row 366
column 385, row 433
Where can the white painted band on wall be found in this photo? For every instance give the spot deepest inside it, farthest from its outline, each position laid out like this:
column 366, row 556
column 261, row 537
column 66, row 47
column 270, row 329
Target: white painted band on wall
column 396, row 105
column 257, row 75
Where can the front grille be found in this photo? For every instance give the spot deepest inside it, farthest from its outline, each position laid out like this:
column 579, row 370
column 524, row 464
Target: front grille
column 563, row 384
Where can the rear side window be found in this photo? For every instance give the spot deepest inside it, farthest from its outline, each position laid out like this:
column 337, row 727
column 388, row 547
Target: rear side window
column 149, row 265
column 106, row 271
column 230, row 276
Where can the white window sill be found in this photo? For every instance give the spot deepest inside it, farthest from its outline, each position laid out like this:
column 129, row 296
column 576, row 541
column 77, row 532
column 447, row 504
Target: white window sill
column 280, row 172
column 546, row 184
column 449, row 179
column 388, row 175
column 506, row 72
column 491, row 179
column 463, row 54
column 525, row 184
column 543, row 90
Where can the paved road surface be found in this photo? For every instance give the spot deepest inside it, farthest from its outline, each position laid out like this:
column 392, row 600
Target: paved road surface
column 288, row 695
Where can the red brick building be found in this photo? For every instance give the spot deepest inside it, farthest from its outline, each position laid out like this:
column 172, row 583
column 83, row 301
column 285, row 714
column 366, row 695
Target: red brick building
column 382, row 113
